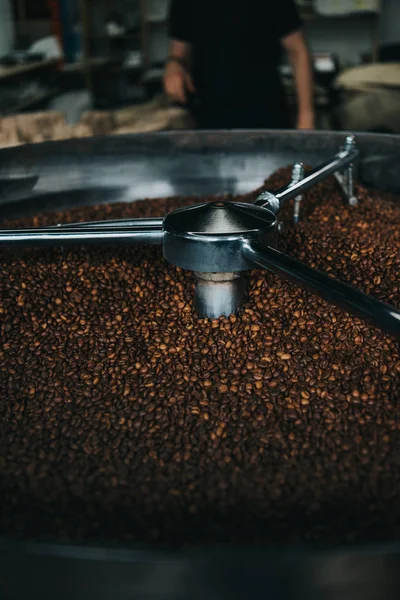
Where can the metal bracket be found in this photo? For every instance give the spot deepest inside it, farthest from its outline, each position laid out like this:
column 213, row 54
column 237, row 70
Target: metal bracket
column 349, row 146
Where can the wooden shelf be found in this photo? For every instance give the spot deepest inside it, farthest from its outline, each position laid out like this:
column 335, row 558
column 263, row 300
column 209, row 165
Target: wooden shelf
column 92, row 63
column 313, row 16
column 6, row 72
column 156, row 19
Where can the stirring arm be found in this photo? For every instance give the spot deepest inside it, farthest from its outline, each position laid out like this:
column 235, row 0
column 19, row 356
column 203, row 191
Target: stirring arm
column 344, row 158
column 382, row 316
column 341, row 160
column 133, row 233
column 112, row 223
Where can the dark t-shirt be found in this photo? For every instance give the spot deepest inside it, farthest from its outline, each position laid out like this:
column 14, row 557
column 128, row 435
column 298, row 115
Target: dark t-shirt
column 236, row 50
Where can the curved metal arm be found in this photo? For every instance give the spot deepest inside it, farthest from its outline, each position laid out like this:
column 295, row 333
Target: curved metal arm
column 382, row 316
column 341, row 160
column 300, row 184
column 54, row 236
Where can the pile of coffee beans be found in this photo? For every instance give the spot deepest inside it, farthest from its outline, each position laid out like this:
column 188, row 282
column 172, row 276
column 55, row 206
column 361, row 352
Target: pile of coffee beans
column 125, row 417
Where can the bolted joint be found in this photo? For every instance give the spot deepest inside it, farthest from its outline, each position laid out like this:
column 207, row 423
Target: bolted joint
column 268, row 200
column 297, row 172
column 350, row 143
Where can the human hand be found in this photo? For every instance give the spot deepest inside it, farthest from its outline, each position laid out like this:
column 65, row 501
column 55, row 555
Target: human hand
column 306, row 120
column 177, row 82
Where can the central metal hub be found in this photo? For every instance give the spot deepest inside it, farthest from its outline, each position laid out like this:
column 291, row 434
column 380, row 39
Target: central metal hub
column 208, row 239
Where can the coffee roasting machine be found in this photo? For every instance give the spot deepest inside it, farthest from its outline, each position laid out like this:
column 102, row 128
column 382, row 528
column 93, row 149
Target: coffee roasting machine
column 219, row 241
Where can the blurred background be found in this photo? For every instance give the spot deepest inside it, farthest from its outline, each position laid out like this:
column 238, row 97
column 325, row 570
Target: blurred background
column 75, row 68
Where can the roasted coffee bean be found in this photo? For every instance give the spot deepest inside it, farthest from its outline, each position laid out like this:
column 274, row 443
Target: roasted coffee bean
column 124, row 417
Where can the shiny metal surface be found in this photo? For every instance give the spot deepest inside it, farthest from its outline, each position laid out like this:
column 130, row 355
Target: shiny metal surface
column 16, row 187
column 208, row 237
column 225, row 219
column 50, row 236
column 215, row 238
column 111, row 223
column 83, row 172
column 219, row 294
column 300, row 184
column 341, row 160
column 350, row 145
column 268, row 200
column 297, row 175
column 344, row 188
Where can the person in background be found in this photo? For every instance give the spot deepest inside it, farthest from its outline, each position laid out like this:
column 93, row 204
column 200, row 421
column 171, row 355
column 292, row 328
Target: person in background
column 223, row 62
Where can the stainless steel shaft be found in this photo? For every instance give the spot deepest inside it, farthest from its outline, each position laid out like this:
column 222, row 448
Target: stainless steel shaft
column 53, row 236
column 219, row 294
column 116, row 223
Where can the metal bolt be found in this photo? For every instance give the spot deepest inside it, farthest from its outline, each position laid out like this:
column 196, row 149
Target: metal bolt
column 350, row 143
column 297, row 175
column 268, row 200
